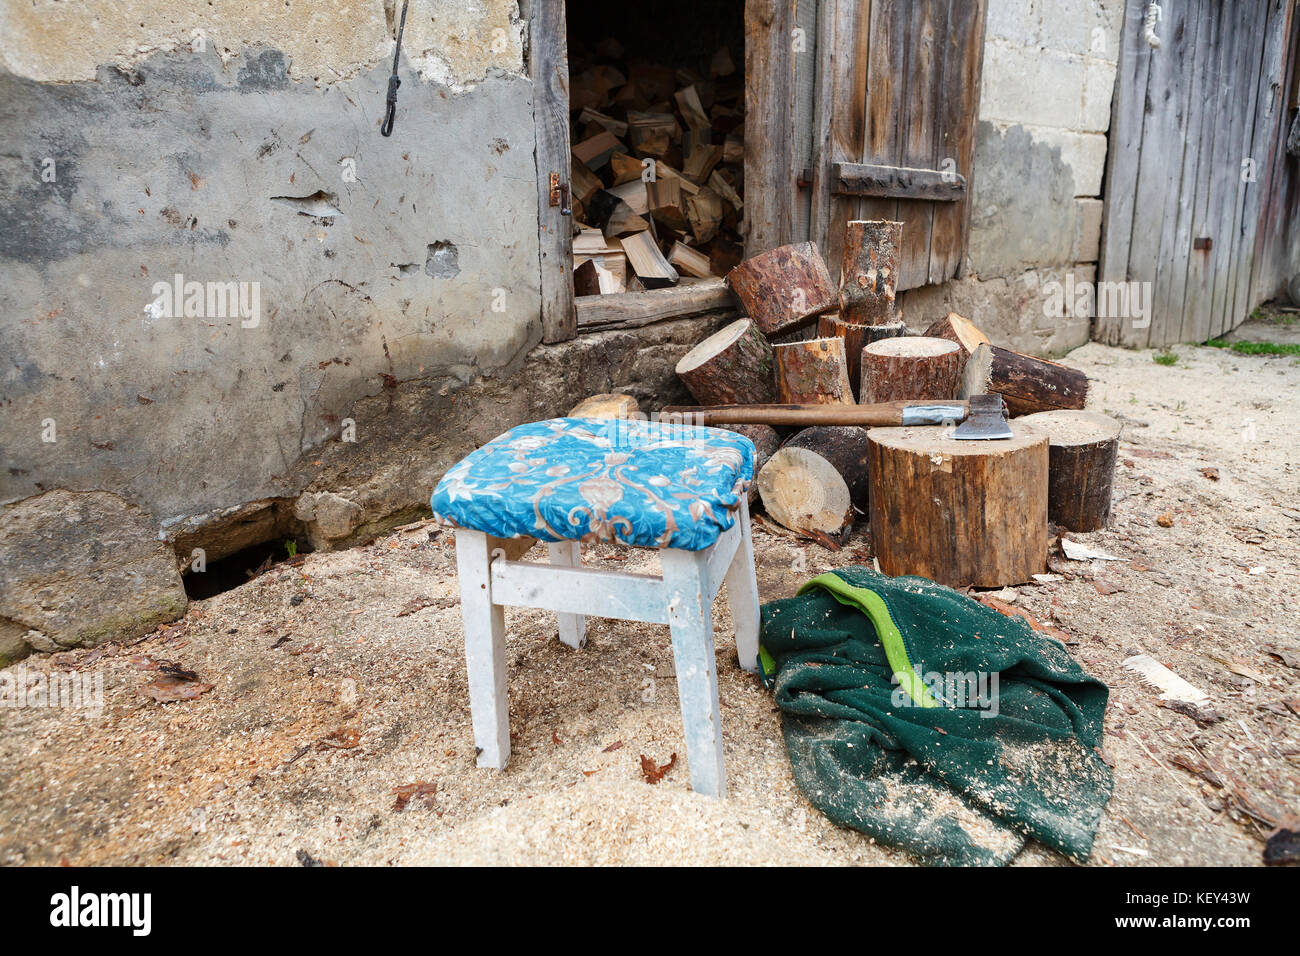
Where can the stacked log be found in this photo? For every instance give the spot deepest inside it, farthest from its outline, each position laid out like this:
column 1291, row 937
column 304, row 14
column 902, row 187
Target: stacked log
column 1026, row 383
column 813, row 372
column 783, row 289
column 908, row 369
column 731, row 367
column 817, row 479
column 856, row 337
column 1081, row 471
column 869, row 272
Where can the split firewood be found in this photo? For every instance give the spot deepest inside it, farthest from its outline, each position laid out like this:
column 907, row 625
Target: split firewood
column 734, row 366
column 648, row 262
column 613, row 216
column 665, row 204
column 784, row 288
column 641, row 125
column 625, row 168
column 959, row 512
column 634, row 194
column 811, row 482
column 856, row 337
column 699, row 164
column 719, row 184
column 606, row 406
column 869, row 273
column 722, row 64
column 600, row 274
column 910, row 368
column 733, row 149
column 657, row 82
column 690, row 261
column 692, row 110
column 1083, row 447
column 595, row 151
column 961, row 330
column 1026, row 383
column 583, row 183
column 704, row 214
column 589, row 117
column 812, row 372
column 592, row 242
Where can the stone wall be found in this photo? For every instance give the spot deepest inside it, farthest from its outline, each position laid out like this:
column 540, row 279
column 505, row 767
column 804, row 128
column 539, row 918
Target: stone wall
column 1045, row 104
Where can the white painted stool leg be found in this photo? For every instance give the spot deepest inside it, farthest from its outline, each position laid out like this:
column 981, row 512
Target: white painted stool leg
column 742, row 594
column 573, row 627
column 485, row 650
column 690, row 618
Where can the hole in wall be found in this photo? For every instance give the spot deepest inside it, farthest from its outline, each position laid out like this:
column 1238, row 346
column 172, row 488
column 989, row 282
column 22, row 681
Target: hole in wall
column 443, row 260
column 228, row 573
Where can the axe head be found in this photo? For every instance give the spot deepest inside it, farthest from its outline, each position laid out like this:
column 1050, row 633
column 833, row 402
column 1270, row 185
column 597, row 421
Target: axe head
column 986, row 421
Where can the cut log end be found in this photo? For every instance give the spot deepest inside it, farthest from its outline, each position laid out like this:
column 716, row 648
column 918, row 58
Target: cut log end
column 802, row 491
column 911, row 368
column 813, row 372
column 734, row 366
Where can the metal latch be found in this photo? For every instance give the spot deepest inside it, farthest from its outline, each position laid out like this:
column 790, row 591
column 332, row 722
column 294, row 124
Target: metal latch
column 560, row 195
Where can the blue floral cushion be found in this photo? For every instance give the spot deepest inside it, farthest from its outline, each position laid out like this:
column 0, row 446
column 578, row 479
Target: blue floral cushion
column 638, row 483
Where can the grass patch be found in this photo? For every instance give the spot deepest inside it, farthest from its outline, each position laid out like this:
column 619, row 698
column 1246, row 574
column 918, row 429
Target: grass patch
column 1254, row 348
column 1166, row 357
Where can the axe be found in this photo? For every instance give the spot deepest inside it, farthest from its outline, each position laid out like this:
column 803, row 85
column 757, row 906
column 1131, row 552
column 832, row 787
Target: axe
column 982, row 417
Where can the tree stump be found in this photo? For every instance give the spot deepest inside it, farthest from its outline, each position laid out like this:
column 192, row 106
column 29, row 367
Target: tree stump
column 784, row 288
column 1026, row 383
column 869, row 271
column 910, row 369
column 959, row 512
column 813, row 482
column 1081, row 474
column 734, row 366
column 766, row 442
column 832, row 324
column 813, row 372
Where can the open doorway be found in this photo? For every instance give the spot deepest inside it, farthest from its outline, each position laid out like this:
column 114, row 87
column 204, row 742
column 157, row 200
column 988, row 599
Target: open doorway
column 656, row 126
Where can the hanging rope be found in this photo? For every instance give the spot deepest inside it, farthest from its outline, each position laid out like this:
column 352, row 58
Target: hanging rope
column 1154, row 16
column 390, row 112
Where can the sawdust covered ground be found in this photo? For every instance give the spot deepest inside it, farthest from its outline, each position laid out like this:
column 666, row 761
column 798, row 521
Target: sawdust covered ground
column 340, row 681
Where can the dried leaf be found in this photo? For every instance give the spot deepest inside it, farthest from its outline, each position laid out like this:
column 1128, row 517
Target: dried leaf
column 653, row 773
column 616, row 745
column 345, row 738
column 1211, row 473
column 421, row 791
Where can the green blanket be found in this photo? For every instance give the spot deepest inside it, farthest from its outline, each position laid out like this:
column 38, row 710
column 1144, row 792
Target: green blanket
column 933, row 723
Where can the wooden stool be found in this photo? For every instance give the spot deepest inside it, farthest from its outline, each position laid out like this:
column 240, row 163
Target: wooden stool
column 679, row 489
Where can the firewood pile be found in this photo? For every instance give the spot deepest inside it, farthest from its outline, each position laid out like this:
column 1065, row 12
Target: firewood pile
column 657, row 173
column 961, row 512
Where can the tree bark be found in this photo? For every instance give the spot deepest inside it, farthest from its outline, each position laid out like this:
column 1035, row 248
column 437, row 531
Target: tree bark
column 766, row 442
column 784, row 288
column 813, row 372
column 734, row 366
column 845, row 447
column 959, row 329
column 959, row 512
column 832, row 324
column 1081, row 473
column 869, row 271
column 1026, row 383
column 910, row 369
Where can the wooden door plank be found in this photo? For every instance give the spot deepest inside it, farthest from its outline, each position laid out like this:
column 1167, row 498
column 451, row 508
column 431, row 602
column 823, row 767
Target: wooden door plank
column 886, row 67
column 959, row 93
column 843, row 37
column 548, row 66
column 927, row 23
column 1123, row 153
column 769, row 109
column 1164, row 137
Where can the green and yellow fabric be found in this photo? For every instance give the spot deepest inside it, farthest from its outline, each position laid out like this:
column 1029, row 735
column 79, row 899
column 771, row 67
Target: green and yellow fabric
column 933, row 723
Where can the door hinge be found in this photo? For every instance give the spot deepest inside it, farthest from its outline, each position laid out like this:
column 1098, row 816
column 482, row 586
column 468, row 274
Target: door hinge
column 560, row 195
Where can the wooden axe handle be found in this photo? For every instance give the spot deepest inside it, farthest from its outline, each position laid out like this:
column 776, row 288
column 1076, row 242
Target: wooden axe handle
column 883, row 413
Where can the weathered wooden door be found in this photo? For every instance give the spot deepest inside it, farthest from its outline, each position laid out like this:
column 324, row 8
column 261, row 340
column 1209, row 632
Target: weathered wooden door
column 893, row 135
column 1193, row 147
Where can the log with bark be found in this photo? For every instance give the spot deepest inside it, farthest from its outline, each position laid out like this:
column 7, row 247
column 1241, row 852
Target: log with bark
column 856, row 337
column 1081, row 473
column 733, row 366
column 766, row 442
column 812, row 372
column 816, row 478
column 784, row 288
column 909, row 369
column 869, row 271
column 1028, row 384
column 961, row 513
